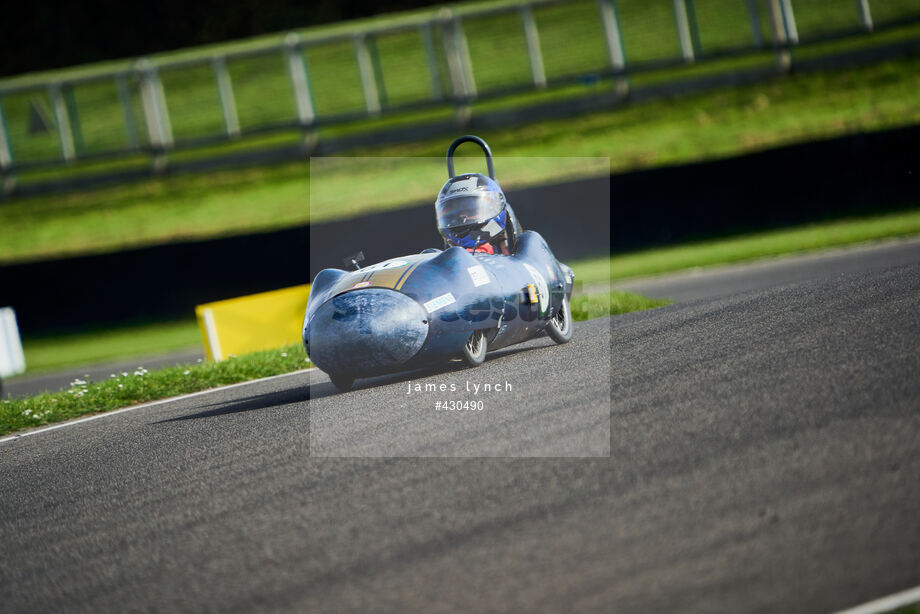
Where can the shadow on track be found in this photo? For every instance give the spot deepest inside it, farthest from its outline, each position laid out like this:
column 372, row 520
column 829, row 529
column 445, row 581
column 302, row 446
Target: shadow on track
column 319, row 390
column 262, row 401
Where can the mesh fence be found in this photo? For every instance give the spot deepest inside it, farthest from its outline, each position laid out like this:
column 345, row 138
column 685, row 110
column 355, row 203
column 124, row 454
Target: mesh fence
column 197, row 112
column 262, row 90
column 572, row 39
column 448, row 59
column 100, row 124
column 727, row 24
column 335, row 79
column 498, row 51
column 31, row 126
column 403, row 70
column 814, row 18
column 649, row 30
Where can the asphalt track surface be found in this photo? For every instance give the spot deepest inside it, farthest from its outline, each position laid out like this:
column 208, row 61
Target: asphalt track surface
column 764, row 455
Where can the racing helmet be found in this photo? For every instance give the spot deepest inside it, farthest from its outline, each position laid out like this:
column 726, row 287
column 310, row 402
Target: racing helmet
column 473, row 202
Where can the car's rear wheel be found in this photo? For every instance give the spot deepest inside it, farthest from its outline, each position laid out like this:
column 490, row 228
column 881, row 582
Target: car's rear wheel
column 342, row 381
column 474, row 352
column 560, row 325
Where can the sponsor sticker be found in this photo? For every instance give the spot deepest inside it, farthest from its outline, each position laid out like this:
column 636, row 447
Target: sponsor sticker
column 441, row 301
column 542, row 289
column 478, row 275
column 464, row 185
column 361, row 284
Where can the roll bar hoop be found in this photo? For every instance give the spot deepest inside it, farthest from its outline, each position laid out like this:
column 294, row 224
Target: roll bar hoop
column 469, row 138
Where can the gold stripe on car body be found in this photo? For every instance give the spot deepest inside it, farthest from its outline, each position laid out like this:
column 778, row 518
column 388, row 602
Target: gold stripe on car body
column 407, row 273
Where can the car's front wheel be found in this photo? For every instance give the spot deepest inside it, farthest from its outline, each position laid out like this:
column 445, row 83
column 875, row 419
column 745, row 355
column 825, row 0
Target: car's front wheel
column 342, row 381
column 474, row 352
column 561, row 326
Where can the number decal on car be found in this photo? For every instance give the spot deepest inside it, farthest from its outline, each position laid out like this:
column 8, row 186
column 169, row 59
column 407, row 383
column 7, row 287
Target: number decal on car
column 389, row 264
column 478, row 275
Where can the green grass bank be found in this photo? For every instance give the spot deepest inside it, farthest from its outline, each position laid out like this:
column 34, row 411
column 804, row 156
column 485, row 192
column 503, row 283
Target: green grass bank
column 687, row 129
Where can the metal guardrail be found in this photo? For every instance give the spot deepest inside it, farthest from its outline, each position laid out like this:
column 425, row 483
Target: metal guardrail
column 455, row 58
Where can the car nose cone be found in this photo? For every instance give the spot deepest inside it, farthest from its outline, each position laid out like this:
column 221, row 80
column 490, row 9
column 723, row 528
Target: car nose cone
column 366, row 331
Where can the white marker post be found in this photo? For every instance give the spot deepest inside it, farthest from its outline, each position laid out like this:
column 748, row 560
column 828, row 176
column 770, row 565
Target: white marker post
column 12, row 359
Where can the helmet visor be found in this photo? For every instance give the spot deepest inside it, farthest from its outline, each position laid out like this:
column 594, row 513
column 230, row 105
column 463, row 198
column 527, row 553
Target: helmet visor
column 468, row 210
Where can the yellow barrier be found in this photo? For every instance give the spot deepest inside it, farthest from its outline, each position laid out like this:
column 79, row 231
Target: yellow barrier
column 250, row 323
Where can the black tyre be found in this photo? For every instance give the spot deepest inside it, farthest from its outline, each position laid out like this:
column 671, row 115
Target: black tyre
column 561, row 326
column 342, row 381
column 474, row 352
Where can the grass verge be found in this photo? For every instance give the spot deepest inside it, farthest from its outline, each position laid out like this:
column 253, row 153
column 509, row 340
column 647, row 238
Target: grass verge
column 615, row 302
column 140, row 386
column 748, row 247
column 51, row 352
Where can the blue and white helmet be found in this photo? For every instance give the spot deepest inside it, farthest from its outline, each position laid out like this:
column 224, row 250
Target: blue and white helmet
column 473, row 202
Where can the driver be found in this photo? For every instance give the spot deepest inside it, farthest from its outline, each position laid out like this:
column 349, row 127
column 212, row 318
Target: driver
column 472, row 213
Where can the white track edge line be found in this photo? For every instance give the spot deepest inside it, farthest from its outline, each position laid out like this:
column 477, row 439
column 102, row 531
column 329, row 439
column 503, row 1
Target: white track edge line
column 886, row 604
column 152, row 403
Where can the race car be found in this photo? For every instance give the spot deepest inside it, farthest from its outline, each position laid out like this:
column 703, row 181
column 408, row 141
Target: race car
column 460, row 302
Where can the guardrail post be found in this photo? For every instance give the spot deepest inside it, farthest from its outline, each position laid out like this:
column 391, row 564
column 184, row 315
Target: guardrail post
column 754, row 14
column 6, row 155
column 865, row 15
column 62, row 122
column 368, row 82
column 160, row 98
column 612, row 36
column 156, row 115
column 780, row 37
column 683, row 30
column 73, row 115
column 300, row 81
column 694, row 27
column 533, row 47
column 124, row 97
column 458, row 61
column 454, row 63
column 225, row 94
column 378, row 70
column 463, row 49
column 434, row 73
column 792, row 32
column 614, row 42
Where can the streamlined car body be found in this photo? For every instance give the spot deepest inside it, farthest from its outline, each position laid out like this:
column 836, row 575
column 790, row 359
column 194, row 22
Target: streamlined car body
column 417, row 310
